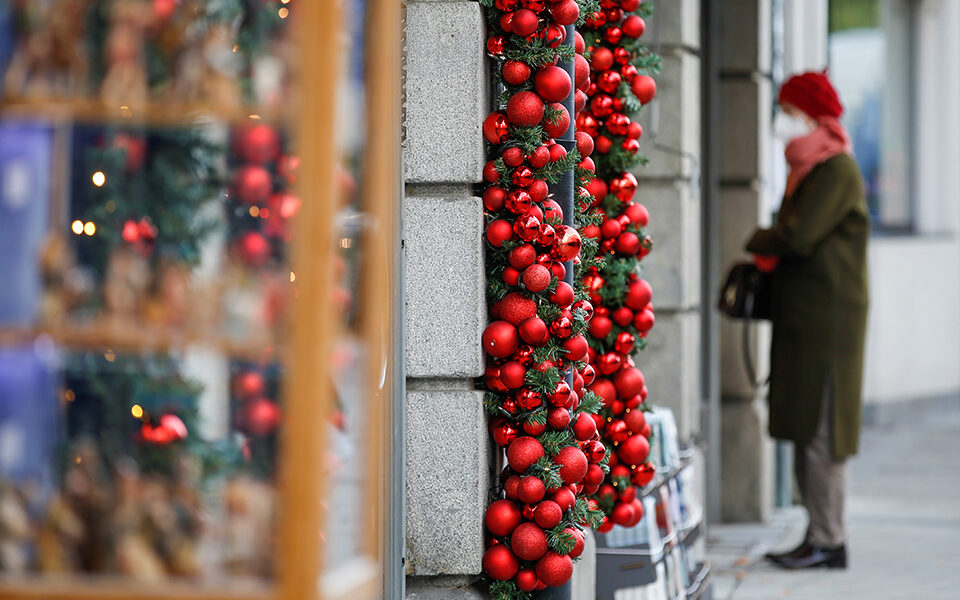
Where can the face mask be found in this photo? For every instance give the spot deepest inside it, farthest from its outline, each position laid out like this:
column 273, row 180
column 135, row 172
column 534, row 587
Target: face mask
column 787, row 127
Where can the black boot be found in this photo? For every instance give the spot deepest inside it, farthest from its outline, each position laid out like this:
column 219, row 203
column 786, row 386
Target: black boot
column 816, row 556
column 798, row 551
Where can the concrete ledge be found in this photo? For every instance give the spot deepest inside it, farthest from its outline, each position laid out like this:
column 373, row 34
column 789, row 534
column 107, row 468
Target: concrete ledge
column 447, row 478
column 445, row 301
column 446, row 92
column 910, row 411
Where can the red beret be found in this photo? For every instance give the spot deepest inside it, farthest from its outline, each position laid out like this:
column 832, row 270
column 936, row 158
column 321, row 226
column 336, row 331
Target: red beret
column 812, row 93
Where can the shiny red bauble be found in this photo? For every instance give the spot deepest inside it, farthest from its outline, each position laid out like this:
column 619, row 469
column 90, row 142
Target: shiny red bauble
column 495, row 44
column 496, row 128
column 643, row 474
column 575, row 347
column 503, row 433
column 253, row 184
column 527, row 227
column 594, row 451
column 624, row 343
column 500, row 563
column 608, row 363
column 584, row 427
column 527, row 580
column 254, row 249
column 633, row 26
column 635, row 421
column 529, row 399
column 498, row 232
column 493, row 198
column 565, row 498
column 567, row 245
column 552, row 83
column 644, row 321
column 546, row 238
column 258, row 143
column 609, row 82
column 525, row 22
column 500, row 339
column 624, row 187
column 623, row 514
column 602, row 59
column 502, row 517
column 522, row 177
column 629, row 382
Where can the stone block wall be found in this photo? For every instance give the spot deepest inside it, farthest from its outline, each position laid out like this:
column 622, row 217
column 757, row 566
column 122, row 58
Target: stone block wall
column 447, row 446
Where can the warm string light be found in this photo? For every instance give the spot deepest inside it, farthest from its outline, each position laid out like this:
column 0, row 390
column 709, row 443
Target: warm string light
column 99, row 179
column 137, row 411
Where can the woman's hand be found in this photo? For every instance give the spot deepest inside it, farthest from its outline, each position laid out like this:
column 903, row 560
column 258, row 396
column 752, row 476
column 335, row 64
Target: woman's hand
column 766, row 263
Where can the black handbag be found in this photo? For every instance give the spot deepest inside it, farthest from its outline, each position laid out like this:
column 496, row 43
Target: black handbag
column 747, row 293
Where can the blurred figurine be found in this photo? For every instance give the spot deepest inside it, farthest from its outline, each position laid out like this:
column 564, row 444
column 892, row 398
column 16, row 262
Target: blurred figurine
column 125, row 82
column 208, row 68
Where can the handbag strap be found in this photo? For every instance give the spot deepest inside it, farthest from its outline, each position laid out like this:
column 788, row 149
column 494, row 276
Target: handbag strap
column 748, row 365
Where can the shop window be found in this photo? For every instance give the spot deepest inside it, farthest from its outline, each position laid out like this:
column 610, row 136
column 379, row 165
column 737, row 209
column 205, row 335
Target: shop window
column 870, row 63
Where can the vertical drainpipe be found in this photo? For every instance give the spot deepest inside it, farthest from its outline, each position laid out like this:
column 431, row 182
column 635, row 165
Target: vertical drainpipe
column 563, row 194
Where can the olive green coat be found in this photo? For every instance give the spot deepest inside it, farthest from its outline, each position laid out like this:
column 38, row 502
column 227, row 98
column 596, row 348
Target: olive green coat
column 819, row 303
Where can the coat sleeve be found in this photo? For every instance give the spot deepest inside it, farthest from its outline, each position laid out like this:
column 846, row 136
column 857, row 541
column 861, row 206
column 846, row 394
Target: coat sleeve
column 823, row 201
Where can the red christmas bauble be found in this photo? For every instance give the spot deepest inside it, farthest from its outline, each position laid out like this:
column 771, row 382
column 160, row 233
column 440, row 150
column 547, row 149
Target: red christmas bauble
column 644, row 321
column 553, row 35
column 637, row 213
column 552, row 84
column 554, row 569
column 594, row 451
column 538, row 190
column 539, row 157
column 562, row 296
column 605, row 389
column 522, row 256
column 258, row 143
column 616, row 431
column 519, row 202
column 523, row 452
column 608, row 363
column 536, row 278
column 561, row 327
column 169, row 429
column 584, row 427
column 253, row 184
column 528, row 541
column 503, row 432
column 502, row 517
column 584, row 144
column 643, row 474
column 557, row 127
column 573, row 464
column 565, row 498
column 610, row 228
column 589, row 374
column 547, row 514
column 627, row 244
column 624, row 343
column 567, row 245
column 558, row 418
column 527, row 580
column 490, row 173
column 622, row 514
column 635, row 421
column 513, row 374
column 594, row 475
column 534, row 331
column 498, row 232
column 609, row 82
column 260, row 417
column 624, row 187
column 513, row 157
column 500, row 563
column 495, row 45
column 511, row 276
column 565, row 12
column 525, row 22
column 639, row 294
column 637, row 511
column 644, row 88
column 254, row 249
column 248, row 384
column 576, row 347
column 633, row 26
column 496, row 128
column 500, row 339
column 634, row 450
column 602, row 59
column 531, row 490
column 560, row 395
column 600, row 327
column 527, row 227
column 581, row 72
column 629, row 382
column 525, row 109
column 529, row 399
column 578, row 544
column 515, row 72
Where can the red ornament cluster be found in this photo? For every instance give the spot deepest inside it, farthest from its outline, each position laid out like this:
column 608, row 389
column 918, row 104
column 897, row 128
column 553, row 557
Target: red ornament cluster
column 536, row 339
column 623, row 313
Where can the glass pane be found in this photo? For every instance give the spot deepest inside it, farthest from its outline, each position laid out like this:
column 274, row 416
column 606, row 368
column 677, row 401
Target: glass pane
column 870, row 56
column 142, row 339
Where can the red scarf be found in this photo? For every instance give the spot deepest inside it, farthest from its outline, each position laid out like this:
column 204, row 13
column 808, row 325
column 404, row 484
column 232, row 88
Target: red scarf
column 829, row 139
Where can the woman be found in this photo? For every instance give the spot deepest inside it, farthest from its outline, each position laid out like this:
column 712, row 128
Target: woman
column 817, row 250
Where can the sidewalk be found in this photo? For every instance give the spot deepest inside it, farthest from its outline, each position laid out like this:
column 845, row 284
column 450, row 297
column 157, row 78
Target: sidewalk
column 903, row 517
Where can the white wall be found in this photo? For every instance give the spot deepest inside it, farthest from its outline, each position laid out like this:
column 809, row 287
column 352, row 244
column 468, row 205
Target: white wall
column 913, row 340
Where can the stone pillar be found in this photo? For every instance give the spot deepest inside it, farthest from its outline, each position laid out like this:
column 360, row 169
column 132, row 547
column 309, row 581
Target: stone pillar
column 447, row 448
column 670, row 189
column 745, row 188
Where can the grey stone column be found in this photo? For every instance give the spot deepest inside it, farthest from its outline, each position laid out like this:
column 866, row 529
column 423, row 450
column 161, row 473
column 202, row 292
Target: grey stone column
column 447, row 448
column 670, row 189
column 746, row 104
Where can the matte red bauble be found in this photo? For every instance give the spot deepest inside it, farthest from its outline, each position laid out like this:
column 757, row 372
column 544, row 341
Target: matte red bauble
column 533, row 428
column 531, row 490
column 629, row 382
column 637, row 213
column 552, row 83
column 627, row 244
column 557, row 152
column 584, row 144
column 500, row 339
column 558, row 126
column 496, row 128
column 253, row 184
column 584, row 427
column 490, row 172
column 635, row 420
column 522, row 256
column 578, row 544
column 513, row 374
column 605, row 389
column 562, row 296
column 254, row 249
column 622, row 514
column 498, row 232
column 573, row 464
column 538, row 190
column 527, row 580
column 554, row 569
column 260, row 417
column 547, row 514
column 644, row 321
column 581, row 72
column 500, row 563
column 248, row 384
column 600, row 327
column 511, row 276
column 639, row 294
column 575, row 347
column 258, row 143
column 513, row 157
column 528, row 541
column 525, row 22
column 515, row 72
column 502, row 517
column 503, row 433
column 539, row 157
column 594, row 475
column 565, row 498
column 602, row 59
column 527, row 227
column 536, row 278
column 644, row 88
column 558, row 418
column 523, row 452
column 565, row 12
column 634, row 450
column 525, row 109
column 633, row 26
column 610, row 228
